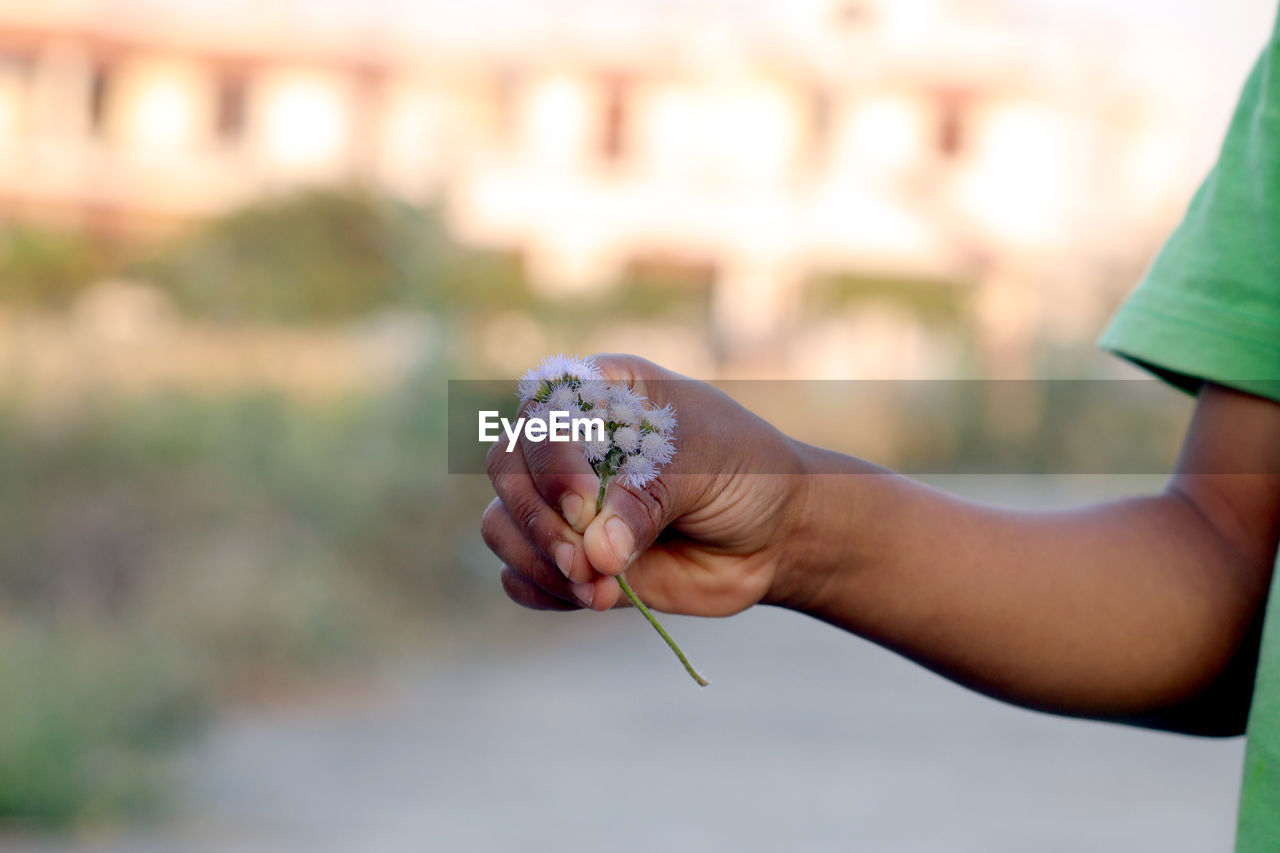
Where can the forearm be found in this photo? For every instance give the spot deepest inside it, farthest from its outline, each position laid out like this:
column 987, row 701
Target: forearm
column 1120, row 610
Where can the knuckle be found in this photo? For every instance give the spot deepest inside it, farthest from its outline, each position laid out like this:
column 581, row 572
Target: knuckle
column 493, row 460
column 526, row 509
column 539, row 456
column 660, row 501
column 491, row 524
column 514, row 586
column 655, row 502
column 549, row 470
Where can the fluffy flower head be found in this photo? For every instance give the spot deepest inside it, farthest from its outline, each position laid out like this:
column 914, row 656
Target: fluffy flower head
column 563, row 399
column 596, row 449
column 594, row 392
column 538, row 412
column 657, row 448
column 625, row 406
column 627, row 439
column 638, row 438
column 661, row 420
column 555, row 370
column 637, row 471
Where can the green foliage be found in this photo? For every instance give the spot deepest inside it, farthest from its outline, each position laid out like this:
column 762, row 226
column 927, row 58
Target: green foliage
column 47, row 267
column 253, row 539
column 324, row 256
column 165, row 551
column 328, row 256
column 88, row 721
column 1066, row 427
column 644, row 292
column 122, row 478
column 931, row 300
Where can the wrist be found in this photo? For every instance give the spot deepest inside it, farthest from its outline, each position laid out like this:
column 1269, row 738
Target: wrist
column 822, row 541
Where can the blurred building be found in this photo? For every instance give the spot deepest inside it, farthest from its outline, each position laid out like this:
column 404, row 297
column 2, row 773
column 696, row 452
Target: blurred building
column 913, row 139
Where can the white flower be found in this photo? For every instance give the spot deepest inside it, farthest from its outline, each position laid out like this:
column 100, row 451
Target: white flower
column 537, row 412
column 529, row 386
column 556, row 370
column 560, row 367
column 661, row 420
column 625, row 405
column 596, row 449
column 639, row 444
column 637, row 471
column 657, row 448
column 594, row 392
column 627, row 439
column 563, row 399
column 641, row 441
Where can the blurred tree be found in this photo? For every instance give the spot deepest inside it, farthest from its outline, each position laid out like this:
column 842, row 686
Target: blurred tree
column 933, row 301
column 47, row 267
column 328, row 255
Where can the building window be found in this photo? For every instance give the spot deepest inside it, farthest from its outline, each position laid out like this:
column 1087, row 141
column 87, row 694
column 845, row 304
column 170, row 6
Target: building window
column 506, row 84
column 952, row 109
column 615, row 119
column 99, row 94
column 821, row 120
column 853, row 14
column 15, row 80
column 229, row 117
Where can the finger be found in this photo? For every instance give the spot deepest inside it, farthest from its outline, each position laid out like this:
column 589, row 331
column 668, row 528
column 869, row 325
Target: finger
column 632, row 369
column 600, row 593
column 526, row 593
column 508, row 542
column 651, row 577
column 631, row 518
column 564, row 478
column 560, row 470
column 629, row 523
column 668, row 579
column 545, row 528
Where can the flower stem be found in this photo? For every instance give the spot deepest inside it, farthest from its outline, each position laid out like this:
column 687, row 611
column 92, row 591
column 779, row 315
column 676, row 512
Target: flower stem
column 657, row 626
column 605, row 476
column 604, row 484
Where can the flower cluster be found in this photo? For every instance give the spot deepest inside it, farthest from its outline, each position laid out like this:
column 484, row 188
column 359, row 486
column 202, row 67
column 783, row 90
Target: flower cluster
column 637, row 438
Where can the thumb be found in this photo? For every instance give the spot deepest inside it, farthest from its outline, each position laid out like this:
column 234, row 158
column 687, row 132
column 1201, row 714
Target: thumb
column 628, row 524
column 633, row 517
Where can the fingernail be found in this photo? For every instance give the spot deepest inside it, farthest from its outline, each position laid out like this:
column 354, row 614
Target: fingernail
column 584, row 592
column 620, row 539
column 563, row 554
column 571, row 509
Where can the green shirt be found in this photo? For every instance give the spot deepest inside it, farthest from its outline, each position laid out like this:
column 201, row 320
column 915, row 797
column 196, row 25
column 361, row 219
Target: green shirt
column 1209, row 309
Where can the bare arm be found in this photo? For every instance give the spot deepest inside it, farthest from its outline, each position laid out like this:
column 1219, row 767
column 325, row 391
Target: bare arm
column 1146, row 610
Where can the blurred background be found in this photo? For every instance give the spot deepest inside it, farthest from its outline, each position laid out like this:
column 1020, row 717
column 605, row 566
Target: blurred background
column 243, row 245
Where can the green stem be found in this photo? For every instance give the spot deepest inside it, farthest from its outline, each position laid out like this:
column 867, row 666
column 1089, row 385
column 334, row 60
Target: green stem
column 605, row 476
column 604, row 484
column 657, row 626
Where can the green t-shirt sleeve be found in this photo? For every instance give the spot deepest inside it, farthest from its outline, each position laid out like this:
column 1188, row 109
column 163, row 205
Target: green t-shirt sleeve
column 1208, row 308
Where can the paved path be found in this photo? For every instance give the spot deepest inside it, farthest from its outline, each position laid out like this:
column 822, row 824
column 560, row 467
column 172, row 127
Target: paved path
column 807, row 740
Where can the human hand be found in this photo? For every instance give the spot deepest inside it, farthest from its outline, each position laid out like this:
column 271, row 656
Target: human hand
column 707, row 537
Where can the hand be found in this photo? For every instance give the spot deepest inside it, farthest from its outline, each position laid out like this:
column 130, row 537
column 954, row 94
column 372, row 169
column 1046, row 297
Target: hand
column 708, row 537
